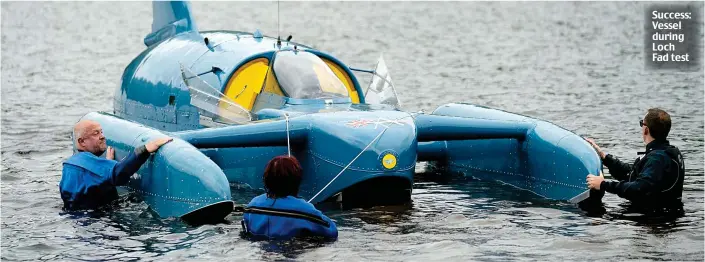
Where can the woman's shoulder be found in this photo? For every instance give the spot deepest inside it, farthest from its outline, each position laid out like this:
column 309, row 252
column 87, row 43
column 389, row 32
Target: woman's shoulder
column 288, row 203
column 258, row 200
column 300, row 204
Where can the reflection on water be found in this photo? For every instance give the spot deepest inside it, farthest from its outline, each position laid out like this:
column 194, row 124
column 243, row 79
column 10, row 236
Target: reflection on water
column 577, row 64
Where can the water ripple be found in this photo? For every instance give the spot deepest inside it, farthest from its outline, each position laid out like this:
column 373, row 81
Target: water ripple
column 577, row 64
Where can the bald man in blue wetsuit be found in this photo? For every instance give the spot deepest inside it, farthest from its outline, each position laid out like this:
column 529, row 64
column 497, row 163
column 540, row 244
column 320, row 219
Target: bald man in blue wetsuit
column 89, row 181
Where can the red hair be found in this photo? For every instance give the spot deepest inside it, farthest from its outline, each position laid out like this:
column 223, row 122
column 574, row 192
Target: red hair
column 282, row 177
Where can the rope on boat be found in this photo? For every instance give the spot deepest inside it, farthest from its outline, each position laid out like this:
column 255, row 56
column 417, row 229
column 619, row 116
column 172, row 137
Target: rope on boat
column 288, row 143
column 412, row 115
column 346, row 167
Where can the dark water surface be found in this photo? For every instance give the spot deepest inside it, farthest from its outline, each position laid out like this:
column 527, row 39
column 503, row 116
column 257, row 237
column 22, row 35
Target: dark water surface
column 578, row 65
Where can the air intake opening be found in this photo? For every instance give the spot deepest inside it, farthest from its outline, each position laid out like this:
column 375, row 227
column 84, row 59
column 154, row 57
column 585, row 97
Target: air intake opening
column 380, row 191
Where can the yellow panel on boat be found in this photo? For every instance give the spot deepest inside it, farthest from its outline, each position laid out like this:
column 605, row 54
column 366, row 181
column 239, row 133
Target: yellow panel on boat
column 345, row 78
column 328, row 82
column 271, row 85
column 247, row 82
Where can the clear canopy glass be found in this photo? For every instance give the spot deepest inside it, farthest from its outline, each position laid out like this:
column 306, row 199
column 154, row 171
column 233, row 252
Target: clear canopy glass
column 211, row 102
column 304, row 75
column 381, row 90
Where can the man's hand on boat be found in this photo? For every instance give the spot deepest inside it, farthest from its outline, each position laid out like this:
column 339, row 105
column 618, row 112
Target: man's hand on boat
column 110, row 153
column 596, row 147
column 155, row 144
column 594, row 181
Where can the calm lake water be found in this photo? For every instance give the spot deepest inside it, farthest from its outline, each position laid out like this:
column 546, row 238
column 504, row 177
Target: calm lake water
column 579, row 65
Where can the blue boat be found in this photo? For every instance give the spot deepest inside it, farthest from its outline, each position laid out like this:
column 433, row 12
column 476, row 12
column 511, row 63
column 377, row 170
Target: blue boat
column 233, row 100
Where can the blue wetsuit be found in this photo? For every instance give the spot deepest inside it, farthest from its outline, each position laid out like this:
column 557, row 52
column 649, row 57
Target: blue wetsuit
column 286, row 218
column 89, row 182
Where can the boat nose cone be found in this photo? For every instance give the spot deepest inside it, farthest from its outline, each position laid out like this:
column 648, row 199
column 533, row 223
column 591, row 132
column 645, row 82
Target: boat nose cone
column 365, row 151
column 376, row 142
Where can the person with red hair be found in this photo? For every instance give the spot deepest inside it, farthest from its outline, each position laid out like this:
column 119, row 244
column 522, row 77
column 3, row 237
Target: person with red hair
column 279, row 213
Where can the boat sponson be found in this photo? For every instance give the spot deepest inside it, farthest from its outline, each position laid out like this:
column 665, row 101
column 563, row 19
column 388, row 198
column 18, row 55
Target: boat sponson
column 549, row 161
column 177, row 179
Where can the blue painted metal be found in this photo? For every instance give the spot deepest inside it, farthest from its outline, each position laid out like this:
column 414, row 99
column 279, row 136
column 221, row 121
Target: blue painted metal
column 362, row 70
column 329, row 137
column 300, row 101
column 326, row 139
column 432, row 151
column 257, row 34
column 262, row 134
column 441, row 128
column 169, row 19
column 550, row 161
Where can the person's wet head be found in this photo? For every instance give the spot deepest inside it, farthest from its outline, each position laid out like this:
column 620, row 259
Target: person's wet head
column 282, row 177
column 280, row 214
column 655, row 125
column 88, row 136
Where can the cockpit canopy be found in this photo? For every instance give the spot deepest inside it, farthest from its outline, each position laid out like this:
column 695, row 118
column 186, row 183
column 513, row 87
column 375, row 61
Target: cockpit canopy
column 274, row 79
column 303, row 75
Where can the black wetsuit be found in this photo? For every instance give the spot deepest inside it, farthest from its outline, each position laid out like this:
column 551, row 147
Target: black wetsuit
column 654, row 181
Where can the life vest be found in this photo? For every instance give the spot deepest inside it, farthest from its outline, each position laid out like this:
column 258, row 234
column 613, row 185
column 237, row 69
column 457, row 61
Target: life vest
column 86, row 181
column 286, row 218
column 670, row 189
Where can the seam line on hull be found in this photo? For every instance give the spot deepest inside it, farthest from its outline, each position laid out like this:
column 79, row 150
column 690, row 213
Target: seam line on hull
column 516, row 174
column 178, row 199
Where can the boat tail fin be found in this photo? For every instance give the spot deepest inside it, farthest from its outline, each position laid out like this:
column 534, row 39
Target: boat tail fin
column 169, row 19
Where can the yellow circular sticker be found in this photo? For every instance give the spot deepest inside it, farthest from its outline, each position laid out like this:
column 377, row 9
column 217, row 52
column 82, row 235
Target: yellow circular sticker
column 389, row 161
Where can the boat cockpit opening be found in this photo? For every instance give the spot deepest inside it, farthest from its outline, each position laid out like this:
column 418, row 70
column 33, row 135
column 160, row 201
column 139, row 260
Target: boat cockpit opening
column 303, row 75
column 270, row 81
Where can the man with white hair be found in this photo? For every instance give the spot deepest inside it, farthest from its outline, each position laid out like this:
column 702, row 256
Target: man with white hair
column 89, row 181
